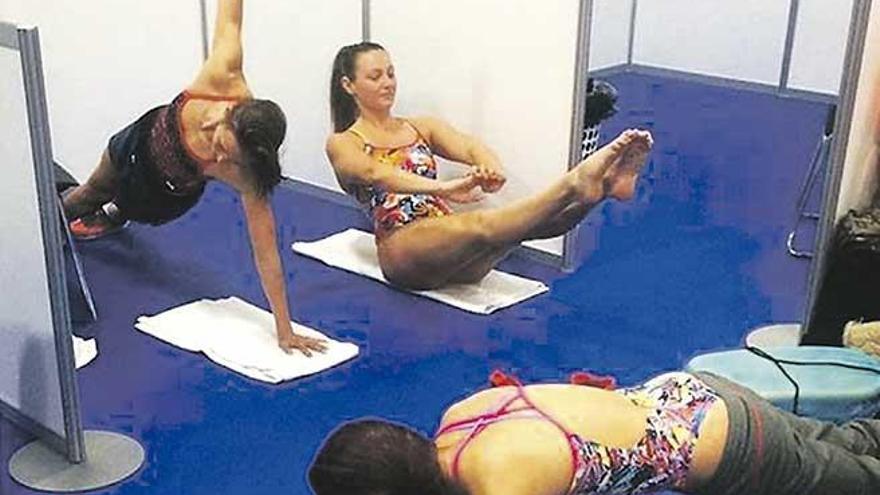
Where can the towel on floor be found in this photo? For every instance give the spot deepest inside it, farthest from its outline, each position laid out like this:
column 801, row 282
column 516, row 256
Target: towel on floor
column 241, row 337
column 84, row 351
column 355, row 251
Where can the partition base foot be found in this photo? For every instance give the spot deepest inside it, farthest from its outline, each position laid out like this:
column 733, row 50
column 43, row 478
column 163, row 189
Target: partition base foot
column 110, row 458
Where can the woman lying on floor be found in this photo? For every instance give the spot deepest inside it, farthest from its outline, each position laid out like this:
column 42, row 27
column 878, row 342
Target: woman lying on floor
column 691, row 433
column 155, row 170
column 387, row 163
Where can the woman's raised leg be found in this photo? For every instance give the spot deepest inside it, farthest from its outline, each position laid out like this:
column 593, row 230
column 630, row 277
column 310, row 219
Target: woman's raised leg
column 463, row 247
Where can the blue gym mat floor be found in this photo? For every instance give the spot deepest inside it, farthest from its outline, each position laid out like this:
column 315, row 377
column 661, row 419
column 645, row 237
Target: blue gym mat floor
column 691, row 265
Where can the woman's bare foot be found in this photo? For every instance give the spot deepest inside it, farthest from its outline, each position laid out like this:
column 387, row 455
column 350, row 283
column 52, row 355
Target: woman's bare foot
column 620, row 179
column 590, row 177
column 612, row 171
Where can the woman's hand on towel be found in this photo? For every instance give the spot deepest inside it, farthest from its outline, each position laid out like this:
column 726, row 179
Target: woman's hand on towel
column 289, row 341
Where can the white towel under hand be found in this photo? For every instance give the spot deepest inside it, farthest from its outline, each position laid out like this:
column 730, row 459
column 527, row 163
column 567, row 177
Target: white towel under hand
column 241, row 337
column 355, row 251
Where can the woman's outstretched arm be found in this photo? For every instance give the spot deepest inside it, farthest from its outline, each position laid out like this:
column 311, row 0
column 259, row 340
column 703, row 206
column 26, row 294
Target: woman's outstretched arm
column 455, row 145
column 353, row 166
column 261, row 229
column 222, row 72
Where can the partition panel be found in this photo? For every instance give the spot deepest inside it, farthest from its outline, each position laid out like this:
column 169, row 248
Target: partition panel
column 819, row 44
column 742, row 40
column 37, row 383
column 609, row 37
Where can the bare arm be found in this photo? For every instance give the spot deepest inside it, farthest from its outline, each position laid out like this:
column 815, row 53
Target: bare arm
column 457, row 146
column 261, row 227
column 222, row 72
column 352, row 165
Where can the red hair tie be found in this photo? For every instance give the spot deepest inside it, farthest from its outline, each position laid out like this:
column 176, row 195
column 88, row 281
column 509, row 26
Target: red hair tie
column 599, row 381
column 499, row 378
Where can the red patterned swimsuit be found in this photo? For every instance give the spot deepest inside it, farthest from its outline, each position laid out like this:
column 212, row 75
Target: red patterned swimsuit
column 390, row 210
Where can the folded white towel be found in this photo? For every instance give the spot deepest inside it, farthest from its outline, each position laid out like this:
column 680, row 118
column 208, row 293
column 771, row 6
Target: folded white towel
column 241, row 337
column 355, row 251
column 84, row 351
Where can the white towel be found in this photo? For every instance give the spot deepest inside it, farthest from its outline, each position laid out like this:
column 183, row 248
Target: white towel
column 84, row 351
column 355, row 251
column 241, row 337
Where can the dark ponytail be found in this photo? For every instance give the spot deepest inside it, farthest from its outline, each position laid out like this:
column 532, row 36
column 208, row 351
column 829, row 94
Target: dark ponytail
column 259, row 127
column 343, row 109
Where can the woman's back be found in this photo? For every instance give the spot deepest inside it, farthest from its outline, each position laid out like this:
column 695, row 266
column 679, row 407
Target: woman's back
column 556, row 439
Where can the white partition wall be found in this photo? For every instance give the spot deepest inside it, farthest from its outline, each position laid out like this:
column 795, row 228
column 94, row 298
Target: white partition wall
column 610, row 33
column 502, row 70
column 289, row 48
column 819, row 45
column 742, row 39
column 106, row 62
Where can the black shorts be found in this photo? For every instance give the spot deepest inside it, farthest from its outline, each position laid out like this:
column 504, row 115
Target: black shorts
column 142, row 192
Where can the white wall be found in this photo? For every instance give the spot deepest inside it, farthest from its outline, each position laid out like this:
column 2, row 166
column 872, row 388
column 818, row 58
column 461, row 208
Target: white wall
column 502, row 70
column 819, row 45
column 106, row 63
column 741, row 39
column 289, row 48
column 860, row 171
column 609, row 33
column 28, row 364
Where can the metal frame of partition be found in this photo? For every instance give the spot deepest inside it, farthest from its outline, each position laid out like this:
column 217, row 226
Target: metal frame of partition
column 848, row 89
column 633, row 15
column 203, row 20
column 581, row 68
column 365, row 20
column 26, row 40
column 785, row 71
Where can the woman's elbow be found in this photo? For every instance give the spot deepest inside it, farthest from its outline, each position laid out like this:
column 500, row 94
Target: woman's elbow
column 375, row 176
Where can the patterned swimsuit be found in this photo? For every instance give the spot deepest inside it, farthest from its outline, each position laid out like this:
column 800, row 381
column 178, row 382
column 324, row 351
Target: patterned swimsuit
column 659, row 461
column 390, row 210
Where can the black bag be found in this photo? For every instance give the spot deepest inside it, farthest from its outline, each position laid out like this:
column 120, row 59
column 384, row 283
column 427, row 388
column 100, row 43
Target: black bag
column 851, row 288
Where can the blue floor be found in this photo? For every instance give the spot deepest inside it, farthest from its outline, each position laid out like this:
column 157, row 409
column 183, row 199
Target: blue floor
column 689, row 266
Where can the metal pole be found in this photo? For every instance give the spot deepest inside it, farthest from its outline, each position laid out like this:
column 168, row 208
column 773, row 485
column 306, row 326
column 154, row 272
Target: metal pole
column 581, row 68
column 789, row 44
column 365, row 20
column 203, row 17
column 633, row 13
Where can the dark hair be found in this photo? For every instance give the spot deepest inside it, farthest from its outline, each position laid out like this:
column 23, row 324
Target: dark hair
column 369, row 457
column 343, row 109
column 259, row 126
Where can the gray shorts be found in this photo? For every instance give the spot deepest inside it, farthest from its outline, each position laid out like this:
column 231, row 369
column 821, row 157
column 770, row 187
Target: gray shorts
column 774, row 452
